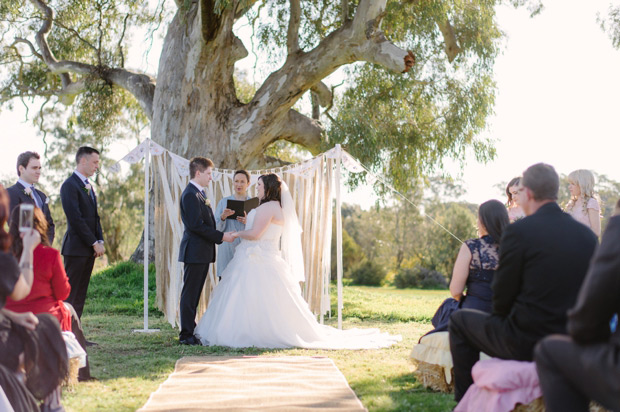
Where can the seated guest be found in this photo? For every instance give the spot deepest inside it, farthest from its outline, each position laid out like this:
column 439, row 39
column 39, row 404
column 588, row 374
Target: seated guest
column 584, row 366
column 583, row 204
column 543, row 261
column 515, row 212
column 50, row 286
column 475, row 265
column 36, row 340
column 474, row 268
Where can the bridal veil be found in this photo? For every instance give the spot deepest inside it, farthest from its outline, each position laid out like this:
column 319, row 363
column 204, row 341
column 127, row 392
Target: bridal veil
column 291, row 235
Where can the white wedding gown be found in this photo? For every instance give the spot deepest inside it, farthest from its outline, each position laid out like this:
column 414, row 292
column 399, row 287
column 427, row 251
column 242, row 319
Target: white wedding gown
column 259, row 303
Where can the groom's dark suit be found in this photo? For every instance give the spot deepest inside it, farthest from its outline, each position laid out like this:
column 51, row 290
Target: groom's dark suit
column 197, row 252
column 543, row 261
column 18, row 196
column 83, row 231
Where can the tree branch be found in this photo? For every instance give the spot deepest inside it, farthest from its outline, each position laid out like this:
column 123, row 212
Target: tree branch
column 120, row 40
column 452, row 47
column 86, row 42
column 100, row 30
column 265, row 162
column 243, row 6
column 140, row 85
column 29, row 44
column 302, row 130
column 41, row 38
column 292, row 39
column 323, row 94
column 316, row 109
column 355, row 40
column 344, row 5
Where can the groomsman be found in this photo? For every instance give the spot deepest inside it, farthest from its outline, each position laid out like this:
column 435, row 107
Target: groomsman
column 24, row 191
column 197, row 249
column 83, row 241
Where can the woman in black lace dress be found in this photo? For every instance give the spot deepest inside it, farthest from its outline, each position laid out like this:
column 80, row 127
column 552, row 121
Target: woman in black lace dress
column 475, row 265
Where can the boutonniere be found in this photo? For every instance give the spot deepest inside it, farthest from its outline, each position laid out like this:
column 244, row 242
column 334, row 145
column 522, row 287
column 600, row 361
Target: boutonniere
column 87, row 188
column 28, row 191
column 206, row 201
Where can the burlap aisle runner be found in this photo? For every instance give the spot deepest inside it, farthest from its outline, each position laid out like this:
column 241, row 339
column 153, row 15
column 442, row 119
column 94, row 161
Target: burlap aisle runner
column 289, row 383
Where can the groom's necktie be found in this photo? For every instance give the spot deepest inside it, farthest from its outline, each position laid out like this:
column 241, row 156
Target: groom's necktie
column 204, row 195
column 36, row 197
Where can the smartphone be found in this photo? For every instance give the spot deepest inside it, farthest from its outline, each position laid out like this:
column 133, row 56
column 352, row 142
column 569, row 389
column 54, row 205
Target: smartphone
column 26, row 212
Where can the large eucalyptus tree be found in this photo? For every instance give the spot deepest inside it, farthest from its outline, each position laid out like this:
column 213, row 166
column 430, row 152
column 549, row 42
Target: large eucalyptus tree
column 429, row 73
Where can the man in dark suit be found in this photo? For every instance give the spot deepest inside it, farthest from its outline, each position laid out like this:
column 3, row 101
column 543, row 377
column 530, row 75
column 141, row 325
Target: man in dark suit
column 83, row 241
column 543, row 261
column 29, row 171
column 585, row 365
column 197, row 250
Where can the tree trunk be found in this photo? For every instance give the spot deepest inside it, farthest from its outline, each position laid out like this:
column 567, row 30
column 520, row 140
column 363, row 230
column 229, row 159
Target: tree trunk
column 195, row 102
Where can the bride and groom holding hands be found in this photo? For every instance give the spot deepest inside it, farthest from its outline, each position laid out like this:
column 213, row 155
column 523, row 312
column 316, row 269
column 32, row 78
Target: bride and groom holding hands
column 258, row 302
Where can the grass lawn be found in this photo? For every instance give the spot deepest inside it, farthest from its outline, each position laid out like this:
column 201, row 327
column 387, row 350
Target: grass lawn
column 129, row 366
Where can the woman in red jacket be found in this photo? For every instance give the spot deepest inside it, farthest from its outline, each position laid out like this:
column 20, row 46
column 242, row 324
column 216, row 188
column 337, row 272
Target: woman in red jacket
column 50, row 286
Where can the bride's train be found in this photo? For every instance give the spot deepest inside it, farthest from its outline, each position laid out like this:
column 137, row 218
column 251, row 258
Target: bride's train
column 258, row 303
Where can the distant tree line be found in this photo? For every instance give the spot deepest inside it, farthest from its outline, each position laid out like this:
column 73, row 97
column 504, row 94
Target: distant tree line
column 399, row 244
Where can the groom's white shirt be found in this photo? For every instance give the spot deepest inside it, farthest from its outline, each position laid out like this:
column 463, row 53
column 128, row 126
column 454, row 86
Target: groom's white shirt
column 200, row 188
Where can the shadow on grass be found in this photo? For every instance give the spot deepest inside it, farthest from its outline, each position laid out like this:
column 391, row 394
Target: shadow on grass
column 405, row 393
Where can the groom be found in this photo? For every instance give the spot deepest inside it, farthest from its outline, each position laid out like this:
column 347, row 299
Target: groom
column 197, row 249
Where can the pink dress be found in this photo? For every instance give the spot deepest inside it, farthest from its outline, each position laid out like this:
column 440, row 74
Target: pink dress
column 579, row 214
column 515, row 213
column 500, row 385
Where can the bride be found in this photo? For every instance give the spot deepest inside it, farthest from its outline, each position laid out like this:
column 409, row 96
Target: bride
column 258, row 302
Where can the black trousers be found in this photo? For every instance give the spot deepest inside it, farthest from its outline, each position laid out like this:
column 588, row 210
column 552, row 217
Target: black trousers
column 471, row 332
column 194, row 277
column 79, row 269
column 571, row 375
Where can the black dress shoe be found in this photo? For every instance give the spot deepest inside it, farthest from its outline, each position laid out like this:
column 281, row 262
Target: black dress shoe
column 192, row 340
column 89, row 343
column 87, row 379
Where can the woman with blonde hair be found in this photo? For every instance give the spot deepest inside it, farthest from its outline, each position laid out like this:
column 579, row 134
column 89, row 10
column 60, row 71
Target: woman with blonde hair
column 583, row 204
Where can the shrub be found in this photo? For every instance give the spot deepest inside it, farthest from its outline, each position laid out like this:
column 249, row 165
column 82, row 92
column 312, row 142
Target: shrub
column 368, row 273
column 419, row 277
column 119, row 289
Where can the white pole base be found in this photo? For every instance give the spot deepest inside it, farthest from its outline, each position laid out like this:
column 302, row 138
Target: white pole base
column 145, row 330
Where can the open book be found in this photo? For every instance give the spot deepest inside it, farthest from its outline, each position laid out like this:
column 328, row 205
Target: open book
column 241, row 206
